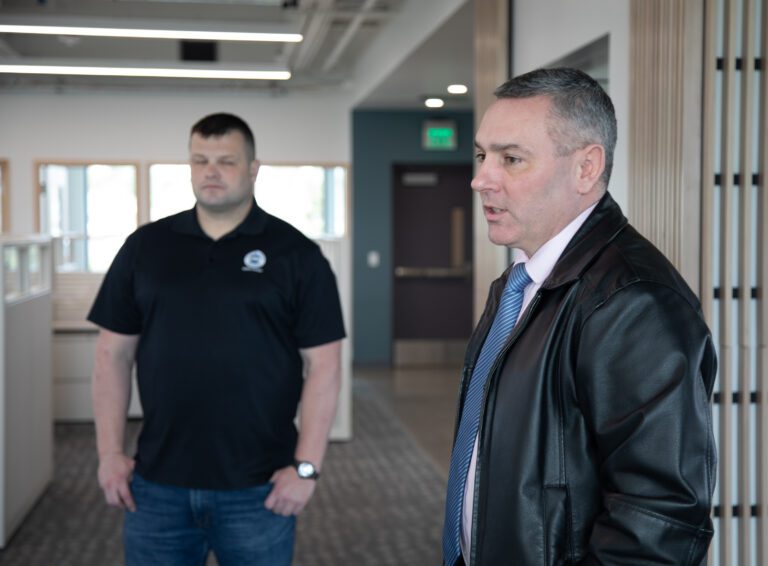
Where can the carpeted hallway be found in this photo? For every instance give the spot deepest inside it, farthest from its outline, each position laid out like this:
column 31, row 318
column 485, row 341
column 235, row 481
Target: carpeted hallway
column 380, row 501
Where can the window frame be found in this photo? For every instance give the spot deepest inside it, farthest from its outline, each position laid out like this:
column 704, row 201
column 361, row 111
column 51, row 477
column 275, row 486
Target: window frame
column 83, row 163
column 36, row 164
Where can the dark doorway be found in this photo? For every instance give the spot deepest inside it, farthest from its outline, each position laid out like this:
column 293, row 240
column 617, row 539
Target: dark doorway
column 432, row 253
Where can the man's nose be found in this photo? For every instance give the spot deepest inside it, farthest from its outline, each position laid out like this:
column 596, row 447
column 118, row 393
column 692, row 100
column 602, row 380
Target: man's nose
column 482, row 179
column 211, row 170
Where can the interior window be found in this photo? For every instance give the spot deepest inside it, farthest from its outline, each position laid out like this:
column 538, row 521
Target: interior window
column 170, row 190
column 310, row 197
column 89, row 209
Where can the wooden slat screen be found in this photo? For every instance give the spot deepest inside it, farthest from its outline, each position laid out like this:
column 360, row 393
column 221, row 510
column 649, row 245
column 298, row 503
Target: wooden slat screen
column 734, row 268
column 729, row 237
column 708, row 187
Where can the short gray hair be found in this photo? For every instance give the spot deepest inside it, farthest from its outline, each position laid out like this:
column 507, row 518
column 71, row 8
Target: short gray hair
column 583, row 113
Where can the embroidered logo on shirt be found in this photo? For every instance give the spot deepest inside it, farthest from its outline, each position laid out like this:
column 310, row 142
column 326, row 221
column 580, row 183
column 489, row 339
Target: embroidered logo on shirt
column 254, row 261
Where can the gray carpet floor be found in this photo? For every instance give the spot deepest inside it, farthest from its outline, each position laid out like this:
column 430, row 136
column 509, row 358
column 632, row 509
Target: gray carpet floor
column 379, row 503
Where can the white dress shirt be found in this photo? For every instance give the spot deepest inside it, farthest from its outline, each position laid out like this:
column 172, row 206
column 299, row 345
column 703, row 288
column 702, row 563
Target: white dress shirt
column 538, row 267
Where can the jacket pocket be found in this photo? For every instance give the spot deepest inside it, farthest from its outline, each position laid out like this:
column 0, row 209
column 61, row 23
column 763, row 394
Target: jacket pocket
column 557, row 513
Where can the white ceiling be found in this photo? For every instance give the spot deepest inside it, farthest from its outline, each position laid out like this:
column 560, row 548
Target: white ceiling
column 336, row 35
column 447, row 57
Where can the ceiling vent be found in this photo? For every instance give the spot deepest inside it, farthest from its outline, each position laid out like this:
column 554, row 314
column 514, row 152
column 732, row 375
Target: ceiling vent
column 199, row 50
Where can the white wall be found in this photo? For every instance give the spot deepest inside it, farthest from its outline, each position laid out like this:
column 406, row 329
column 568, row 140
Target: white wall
column 142, row 126
column 546, row 30
column 26, row 431
column 27, row 457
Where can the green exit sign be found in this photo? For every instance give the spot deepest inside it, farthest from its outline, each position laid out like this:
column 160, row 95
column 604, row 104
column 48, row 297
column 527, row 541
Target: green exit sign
column 439, row 135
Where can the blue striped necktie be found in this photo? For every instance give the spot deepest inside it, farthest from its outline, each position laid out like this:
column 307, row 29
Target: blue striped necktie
column 506, row 316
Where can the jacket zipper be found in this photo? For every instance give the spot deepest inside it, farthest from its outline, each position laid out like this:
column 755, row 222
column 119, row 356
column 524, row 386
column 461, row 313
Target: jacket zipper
column 518, row 328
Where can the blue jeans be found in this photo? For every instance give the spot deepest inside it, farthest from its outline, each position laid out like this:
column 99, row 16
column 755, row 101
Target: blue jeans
column 175, row 526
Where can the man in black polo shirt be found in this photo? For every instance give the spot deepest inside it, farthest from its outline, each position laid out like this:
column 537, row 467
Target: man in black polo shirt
column 232, row 317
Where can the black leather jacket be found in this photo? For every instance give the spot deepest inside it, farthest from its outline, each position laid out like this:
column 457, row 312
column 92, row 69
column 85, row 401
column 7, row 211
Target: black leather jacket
column 595, row 442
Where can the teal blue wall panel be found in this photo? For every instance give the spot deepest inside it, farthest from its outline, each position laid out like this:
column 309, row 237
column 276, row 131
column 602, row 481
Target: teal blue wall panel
column 380, row 139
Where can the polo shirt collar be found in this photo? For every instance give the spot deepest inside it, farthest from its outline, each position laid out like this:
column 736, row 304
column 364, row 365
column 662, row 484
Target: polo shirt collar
column 186, row 222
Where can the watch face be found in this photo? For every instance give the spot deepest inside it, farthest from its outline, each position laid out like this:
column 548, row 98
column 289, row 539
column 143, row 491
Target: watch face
column 305, row 470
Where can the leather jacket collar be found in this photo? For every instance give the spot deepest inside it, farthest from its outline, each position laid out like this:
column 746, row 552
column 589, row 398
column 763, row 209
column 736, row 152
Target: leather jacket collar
column 600, row 228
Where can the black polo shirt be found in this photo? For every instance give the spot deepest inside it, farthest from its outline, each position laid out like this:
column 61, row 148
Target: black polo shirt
column 220, row 324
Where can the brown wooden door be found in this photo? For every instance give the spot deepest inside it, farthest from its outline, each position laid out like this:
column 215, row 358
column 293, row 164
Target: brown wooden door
column 432, row 253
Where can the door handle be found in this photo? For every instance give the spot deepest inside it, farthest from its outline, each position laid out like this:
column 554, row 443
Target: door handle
column 403, row 272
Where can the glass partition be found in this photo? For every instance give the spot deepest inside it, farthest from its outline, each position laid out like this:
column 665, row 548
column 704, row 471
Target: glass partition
column 26, row 267
column 36, row 272
column 12, row 272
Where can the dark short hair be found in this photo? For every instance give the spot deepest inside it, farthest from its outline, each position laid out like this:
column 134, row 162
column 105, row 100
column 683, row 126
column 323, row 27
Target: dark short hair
column 583, row 113
column 215, row 125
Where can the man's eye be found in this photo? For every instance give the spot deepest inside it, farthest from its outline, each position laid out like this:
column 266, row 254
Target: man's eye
column 479, row 157
column 511, row 159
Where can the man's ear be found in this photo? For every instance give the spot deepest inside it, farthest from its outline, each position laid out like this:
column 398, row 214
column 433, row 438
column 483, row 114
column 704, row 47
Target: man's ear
column 590, row 166
column 255, row 164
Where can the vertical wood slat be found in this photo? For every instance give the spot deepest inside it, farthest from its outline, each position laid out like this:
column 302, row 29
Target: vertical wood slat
column 652, row 106
column 762, row 304
column 745, row 279
column 676, row 78
column 708, row 165
column 691, row 41
column 656, row 131
column 637, row 141
column 491, row 57
column 664, row 62
column 726, row 263
column 706, row 281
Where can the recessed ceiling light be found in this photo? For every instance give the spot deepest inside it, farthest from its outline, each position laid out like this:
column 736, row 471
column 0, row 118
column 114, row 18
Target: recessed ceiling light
column 457, row 89
column 434, row 103
column 158, row 72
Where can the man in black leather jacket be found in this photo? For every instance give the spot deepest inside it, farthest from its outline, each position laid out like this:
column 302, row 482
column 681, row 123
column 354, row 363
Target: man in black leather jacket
column 594, row 443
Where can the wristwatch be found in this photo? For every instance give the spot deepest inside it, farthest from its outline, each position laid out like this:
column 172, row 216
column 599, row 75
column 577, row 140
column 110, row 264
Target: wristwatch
column 306, row 470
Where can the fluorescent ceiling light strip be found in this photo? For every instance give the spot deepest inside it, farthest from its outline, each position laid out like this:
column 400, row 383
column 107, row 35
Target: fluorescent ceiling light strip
column 153, row 33
column 146, row 72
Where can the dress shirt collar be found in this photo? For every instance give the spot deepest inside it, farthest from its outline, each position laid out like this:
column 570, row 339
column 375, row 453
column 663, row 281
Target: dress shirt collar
column 543, row 261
